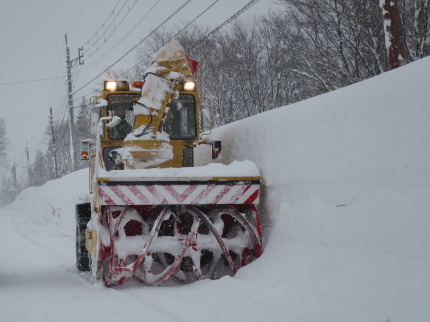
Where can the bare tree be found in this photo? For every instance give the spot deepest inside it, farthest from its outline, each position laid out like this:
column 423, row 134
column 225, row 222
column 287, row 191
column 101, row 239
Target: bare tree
column 245, row 69
column 340, row 40
column 7, row 193
column 311, row 47
column 39, row 170
column 416, row 25
column 4, row 144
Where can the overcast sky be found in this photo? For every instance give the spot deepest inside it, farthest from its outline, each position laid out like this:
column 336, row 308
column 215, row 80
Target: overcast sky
column 33, row 48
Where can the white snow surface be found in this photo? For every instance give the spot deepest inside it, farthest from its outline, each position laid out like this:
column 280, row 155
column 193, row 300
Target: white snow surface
column 345, row 213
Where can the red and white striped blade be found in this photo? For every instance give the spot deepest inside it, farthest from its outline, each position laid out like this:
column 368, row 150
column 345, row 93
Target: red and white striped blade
column 183, row 194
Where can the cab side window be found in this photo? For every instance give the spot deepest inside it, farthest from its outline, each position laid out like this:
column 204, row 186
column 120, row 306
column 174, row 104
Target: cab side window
column 180, row 121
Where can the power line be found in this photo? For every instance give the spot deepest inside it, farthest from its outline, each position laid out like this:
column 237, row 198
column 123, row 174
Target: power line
column 59, row 142
column 198, row 16
column 134, row 47
column 38, row 146
column 77, row 16
column 85, row 95
column 31, row 81
column 192, row 21
column 109, row 51
column 95, row 34
column 238, row 13
column 56, row 74
column 62, row 110
column 103, row 34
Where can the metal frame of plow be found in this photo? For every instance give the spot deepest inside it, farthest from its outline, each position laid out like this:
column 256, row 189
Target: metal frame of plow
column 120, row 268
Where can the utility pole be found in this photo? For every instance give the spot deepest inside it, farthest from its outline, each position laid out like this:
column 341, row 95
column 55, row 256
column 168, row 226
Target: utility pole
column 394, row 36
column 69, row 64
column 54, row 148
column 28, row 164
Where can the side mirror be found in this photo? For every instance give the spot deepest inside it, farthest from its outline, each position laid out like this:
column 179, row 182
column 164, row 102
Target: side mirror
column 216, row 149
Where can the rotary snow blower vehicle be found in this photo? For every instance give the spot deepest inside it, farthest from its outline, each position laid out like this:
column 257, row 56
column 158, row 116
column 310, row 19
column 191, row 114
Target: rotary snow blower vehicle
column 151, row 214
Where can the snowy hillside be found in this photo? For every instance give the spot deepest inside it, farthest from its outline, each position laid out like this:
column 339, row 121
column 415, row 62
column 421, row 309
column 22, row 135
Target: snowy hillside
column 344, row 207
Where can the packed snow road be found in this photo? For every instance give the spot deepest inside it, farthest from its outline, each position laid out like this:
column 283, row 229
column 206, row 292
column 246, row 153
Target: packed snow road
column 39, row 280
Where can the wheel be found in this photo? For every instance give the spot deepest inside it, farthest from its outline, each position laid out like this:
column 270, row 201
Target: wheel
column 83, row 216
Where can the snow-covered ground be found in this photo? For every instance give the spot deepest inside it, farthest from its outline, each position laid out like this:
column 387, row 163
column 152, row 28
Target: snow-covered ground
column 345, row 209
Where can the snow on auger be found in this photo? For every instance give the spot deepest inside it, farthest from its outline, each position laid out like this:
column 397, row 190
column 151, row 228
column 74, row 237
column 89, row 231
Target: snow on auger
column 151, row 214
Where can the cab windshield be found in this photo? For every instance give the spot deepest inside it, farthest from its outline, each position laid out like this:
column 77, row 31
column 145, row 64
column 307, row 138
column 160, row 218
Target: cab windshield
column 121, row 105
column 180, row 121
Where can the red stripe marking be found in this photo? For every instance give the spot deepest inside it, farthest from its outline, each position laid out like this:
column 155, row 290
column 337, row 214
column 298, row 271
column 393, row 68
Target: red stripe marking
column 252, row 198
column 121, row 195
column 140, row 195
column 157, row 196
column 202, row 197
column 222, row 193
column 240, row 192
column 105, row 198
column 188, row 191
column 180, row 197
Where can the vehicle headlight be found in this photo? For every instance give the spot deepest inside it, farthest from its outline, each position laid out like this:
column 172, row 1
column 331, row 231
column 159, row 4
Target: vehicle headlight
column 111, row 86
column 189, row 86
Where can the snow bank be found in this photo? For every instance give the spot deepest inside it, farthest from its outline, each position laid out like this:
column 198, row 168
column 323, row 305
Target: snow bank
column 54, row 202
column 345, row 167
column 379, row 126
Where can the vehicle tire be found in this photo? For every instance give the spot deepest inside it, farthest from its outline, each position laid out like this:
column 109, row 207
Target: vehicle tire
column 83, row 216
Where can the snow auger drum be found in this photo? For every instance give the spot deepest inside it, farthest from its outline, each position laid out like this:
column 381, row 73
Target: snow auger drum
column 182, row 230
column 155, row 216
